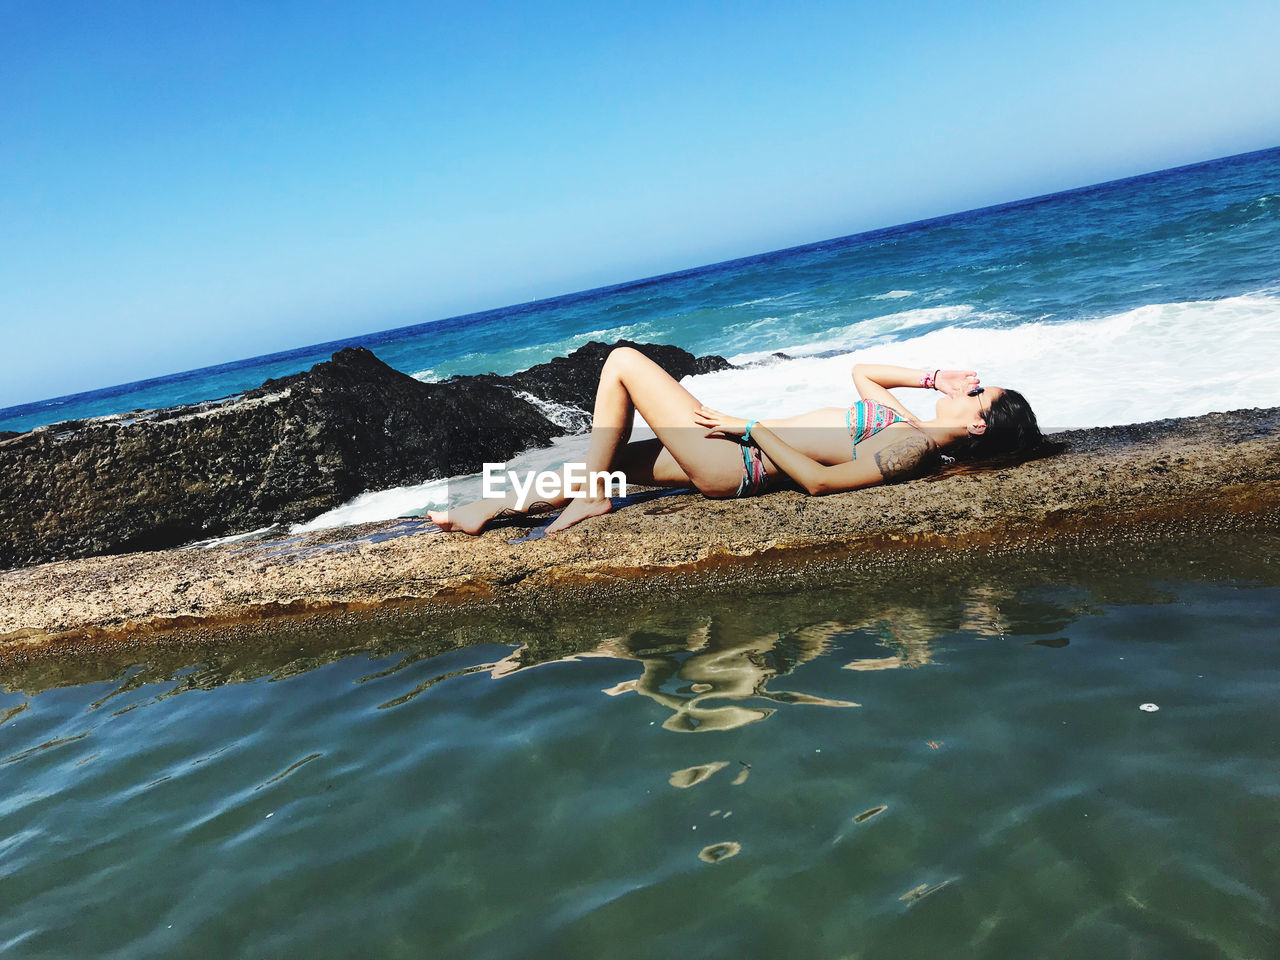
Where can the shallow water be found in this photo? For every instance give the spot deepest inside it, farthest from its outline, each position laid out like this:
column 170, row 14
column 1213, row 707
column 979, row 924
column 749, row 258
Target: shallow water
column 676, row 779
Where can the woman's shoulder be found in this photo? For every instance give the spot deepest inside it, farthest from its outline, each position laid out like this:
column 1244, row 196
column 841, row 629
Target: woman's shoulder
column 904, row 430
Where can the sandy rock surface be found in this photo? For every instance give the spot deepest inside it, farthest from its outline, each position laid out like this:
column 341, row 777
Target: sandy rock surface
column 1111, row 482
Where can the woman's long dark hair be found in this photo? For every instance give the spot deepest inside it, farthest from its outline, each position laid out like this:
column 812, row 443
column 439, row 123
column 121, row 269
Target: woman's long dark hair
column 1012, row 436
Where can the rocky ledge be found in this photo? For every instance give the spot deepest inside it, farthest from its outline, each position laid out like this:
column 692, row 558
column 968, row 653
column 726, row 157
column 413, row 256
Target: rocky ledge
column 1115, row 485
column 282, row 453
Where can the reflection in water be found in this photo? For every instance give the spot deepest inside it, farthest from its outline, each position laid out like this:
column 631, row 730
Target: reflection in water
column 702, row 660
column 909, row 631
column 713, row 669
column 288, row 770
column 722, row 658
column 1053, row 643
column 718, row 661
column 720, row 851
column 427, row 684
column 908, row 650
column 47, row 745
column 692, row 776
column 923, row 890
column 866, row 815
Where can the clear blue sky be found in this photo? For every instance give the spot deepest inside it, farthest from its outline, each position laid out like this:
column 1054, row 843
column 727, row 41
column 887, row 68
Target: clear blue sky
column 183, row 184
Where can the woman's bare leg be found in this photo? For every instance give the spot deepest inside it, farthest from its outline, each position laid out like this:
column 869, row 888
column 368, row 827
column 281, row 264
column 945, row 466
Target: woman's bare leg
column 680, row 455
column 630, row 381
column 644, row 462
column 475, row 516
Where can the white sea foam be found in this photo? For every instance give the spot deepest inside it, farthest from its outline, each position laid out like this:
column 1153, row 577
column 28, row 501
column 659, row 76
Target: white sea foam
column 894, row 295
column 436, row 494
column 566, row 416
column 608, row 335
column 751, row 303
column 234, row 538
column 1161, row 360
column 380, row 505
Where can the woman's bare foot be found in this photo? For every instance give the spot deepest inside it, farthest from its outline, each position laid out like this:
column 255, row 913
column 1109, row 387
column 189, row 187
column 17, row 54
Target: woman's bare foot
column 579, row 509
column 469, row 518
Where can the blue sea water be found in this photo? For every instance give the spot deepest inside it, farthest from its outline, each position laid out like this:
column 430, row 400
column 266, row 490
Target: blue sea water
column 1157, row 284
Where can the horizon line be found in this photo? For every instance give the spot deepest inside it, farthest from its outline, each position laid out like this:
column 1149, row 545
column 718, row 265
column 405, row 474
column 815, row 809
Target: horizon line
column 906, row 226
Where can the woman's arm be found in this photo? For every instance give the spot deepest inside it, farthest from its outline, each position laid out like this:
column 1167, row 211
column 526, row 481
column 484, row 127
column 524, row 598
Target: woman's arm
column 896, row 461
column 874, row 380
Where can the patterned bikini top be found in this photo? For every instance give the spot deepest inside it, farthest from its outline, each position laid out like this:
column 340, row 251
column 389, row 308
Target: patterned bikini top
column 866, row 418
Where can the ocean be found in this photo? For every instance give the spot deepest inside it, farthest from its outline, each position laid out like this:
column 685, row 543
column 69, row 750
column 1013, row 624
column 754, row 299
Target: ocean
column 1151, row 297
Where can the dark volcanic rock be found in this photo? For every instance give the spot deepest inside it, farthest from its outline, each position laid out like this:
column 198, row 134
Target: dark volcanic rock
column 284, row 452
column 572, row 380
column 8, row 434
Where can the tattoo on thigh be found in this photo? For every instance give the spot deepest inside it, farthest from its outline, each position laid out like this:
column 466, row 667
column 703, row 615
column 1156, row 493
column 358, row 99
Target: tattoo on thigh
column 903, row 458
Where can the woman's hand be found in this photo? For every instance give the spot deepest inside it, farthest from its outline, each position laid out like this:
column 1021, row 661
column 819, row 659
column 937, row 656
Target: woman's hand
column 955, row 383
column 719, row 424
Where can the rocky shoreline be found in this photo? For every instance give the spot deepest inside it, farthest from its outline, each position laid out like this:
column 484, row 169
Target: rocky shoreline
column 282, row 453
column 1109, row 487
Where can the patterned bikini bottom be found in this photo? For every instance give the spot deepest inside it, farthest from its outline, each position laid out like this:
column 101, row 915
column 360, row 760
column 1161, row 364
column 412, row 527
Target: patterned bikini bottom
column 753, row 475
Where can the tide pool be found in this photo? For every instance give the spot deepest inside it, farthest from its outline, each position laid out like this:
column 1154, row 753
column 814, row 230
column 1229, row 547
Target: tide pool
column 945, row 763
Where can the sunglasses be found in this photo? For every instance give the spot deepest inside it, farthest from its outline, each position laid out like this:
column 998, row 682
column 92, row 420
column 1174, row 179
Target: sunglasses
column 978, row 391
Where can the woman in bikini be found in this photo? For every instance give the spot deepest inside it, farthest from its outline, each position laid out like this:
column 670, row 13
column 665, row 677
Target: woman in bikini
column 828, row 450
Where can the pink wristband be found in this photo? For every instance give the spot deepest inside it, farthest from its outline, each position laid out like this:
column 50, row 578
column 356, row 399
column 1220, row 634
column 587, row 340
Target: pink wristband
column 926, row 382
